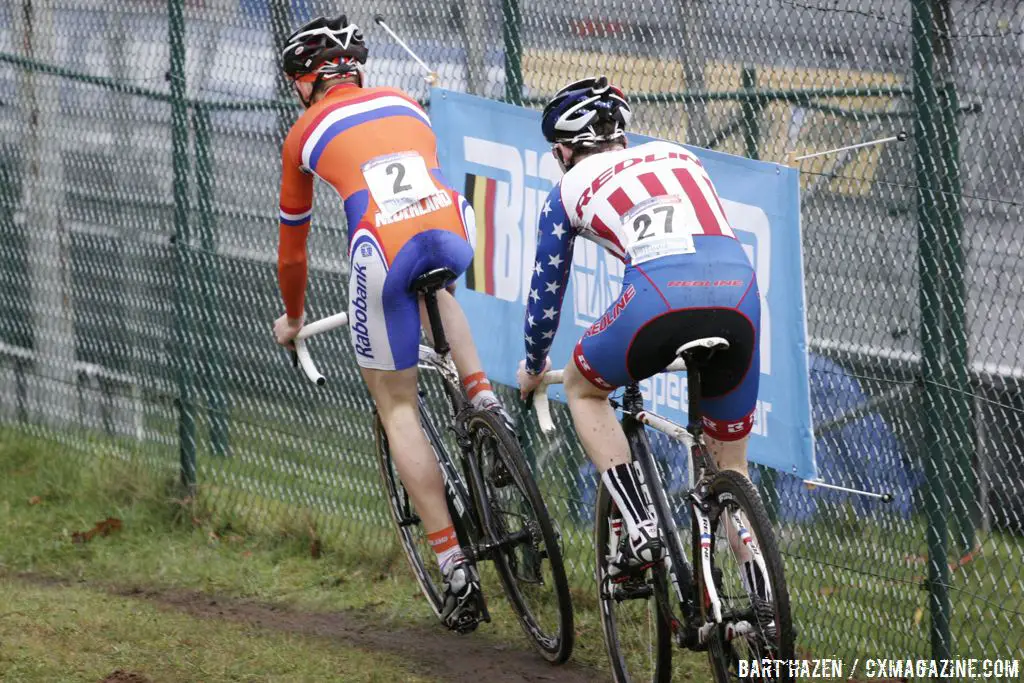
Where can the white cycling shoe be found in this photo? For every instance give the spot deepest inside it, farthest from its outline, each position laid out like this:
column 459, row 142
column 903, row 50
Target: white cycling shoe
column 637, row 553
column 462, row 597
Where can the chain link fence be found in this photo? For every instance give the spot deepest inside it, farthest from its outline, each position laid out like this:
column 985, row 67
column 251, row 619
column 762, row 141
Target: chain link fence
column 139, row 161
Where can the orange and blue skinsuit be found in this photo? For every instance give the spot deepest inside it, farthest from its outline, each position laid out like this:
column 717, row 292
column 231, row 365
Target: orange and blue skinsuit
column 376, row 148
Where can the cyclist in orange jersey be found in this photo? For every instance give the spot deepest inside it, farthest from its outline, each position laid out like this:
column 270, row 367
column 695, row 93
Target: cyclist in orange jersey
column 376, row 149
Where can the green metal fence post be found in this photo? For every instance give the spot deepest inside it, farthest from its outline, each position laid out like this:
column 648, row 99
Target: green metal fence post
column 512, row 31
column 209, row 283
column 960, row 420
column 280, row 28
column 932, row 449
column 181, row 240
column 959, row 404
column 750, row 107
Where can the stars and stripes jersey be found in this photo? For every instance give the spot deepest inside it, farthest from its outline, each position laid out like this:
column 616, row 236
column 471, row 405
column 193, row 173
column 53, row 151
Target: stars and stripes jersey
column 376, row 148
column 639, row 203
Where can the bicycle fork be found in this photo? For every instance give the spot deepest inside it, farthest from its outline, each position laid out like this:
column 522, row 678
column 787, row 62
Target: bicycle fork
column 692, row 633
column 714, row 603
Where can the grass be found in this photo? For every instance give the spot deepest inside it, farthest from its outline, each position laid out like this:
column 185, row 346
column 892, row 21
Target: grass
column 268, row 552
column 872, row 576
column 53, row 632
column 300, row 521
column 68, row 633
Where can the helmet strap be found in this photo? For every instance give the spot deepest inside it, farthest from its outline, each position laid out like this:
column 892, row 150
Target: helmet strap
column 312, row 93
column 557, row 151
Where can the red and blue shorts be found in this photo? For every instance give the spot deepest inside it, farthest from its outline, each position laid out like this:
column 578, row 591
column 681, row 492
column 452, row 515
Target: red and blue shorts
column 673, row 300
column 384, row 314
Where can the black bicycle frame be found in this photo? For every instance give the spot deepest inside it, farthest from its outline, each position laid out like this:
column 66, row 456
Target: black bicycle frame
column 633, row 404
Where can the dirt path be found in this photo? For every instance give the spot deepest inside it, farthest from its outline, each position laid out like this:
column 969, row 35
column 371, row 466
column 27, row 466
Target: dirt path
column 450, row 657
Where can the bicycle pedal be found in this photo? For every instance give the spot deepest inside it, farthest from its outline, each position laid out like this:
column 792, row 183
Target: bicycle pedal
column 686, row 636
column 483, row 614
column 632, row 572
column 466, row 624
column 637, row 589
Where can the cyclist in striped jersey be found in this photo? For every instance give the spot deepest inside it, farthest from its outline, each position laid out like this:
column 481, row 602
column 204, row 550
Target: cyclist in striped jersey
column 686, row 276
column 376, row 149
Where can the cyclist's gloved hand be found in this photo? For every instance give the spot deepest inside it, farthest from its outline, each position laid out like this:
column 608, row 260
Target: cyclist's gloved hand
column 528, row 383
column 286, row 328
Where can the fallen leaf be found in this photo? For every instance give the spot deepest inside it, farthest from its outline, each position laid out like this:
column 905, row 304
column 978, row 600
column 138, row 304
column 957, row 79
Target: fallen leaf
column 35, row 500
column 828, row 590
column 918, row 614
column 102, row 528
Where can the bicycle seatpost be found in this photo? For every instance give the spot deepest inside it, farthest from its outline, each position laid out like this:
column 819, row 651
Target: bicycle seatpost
column 693, row 393
column 632, row 400
column 436, row 328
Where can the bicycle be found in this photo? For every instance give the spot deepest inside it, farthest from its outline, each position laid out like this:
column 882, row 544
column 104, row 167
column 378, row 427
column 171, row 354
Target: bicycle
column 712, row 611
column 495, row 505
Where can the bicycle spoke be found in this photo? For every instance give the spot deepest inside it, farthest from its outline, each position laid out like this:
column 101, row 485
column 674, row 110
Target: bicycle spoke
column 527, row 554
column 411, row 534
column 634, row 613
column 749, row 578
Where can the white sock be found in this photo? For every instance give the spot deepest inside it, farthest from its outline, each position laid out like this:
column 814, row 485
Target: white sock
column 447, row 558
column 446, row 547
column 479, row 390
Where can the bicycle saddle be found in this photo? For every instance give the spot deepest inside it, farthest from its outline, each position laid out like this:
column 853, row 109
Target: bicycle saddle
column 433, row 280
column 698, row 352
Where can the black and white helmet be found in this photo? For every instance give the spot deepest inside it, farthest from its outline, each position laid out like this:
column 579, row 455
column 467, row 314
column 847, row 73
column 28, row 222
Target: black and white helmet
column 324, row 48
column 575, row 112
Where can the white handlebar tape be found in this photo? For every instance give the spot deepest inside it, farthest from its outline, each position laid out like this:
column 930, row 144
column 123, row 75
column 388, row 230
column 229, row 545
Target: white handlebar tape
column 307, row 331
column 541, row 404
column 306, row 361
column 323, row 325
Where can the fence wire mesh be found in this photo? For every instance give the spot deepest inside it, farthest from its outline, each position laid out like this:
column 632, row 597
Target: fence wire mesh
column 139, row 162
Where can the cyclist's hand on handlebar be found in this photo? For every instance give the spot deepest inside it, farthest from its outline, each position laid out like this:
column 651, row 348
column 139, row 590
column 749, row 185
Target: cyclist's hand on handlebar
column 286, row 328
column 528, row 383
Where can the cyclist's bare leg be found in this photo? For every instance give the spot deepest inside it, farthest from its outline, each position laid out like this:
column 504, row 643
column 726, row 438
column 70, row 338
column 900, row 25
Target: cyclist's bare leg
column 464, row 354
column 730, row 455
column 394, row 392
column 599, row 431
column 456, row 331
column 605, row 444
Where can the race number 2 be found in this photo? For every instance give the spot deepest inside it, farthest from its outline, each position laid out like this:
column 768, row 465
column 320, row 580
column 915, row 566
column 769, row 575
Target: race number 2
column 398, row 180
column 657, row 227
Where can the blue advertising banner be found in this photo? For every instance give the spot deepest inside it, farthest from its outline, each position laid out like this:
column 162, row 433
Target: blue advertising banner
column 495, row 154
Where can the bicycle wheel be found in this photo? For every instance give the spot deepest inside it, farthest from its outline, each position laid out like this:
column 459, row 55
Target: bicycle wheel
column 411, row 533
column 637, row 634
column 751, row 628
column 530, row 566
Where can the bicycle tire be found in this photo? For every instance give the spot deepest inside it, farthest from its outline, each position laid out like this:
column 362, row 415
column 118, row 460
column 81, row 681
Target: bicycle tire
column 411, row 534
column 499, row 514
column 731, row 490
column 636, row 657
